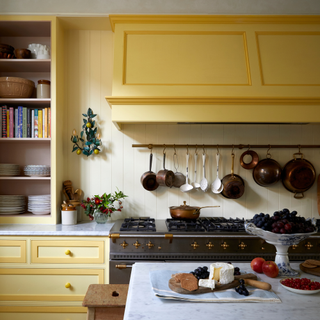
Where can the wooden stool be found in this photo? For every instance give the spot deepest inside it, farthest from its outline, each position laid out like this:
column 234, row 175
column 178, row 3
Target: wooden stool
column 106, row 301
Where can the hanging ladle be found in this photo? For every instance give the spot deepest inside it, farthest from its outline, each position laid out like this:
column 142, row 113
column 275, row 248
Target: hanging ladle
column 196, row 185
column 204, row 181
column 187, row 187
column 217, row 186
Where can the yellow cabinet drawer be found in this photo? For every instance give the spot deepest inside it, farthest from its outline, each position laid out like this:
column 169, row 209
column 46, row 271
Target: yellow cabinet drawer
column 47, row 284
column 12, row 251
column 25, row 314
column 85, row 252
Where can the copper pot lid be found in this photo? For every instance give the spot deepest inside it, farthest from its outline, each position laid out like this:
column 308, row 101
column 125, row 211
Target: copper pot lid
column 184, row 207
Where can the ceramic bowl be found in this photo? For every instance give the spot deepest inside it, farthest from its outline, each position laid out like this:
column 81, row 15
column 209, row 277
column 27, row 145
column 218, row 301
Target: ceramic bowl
column 22, row 53
column 14, row 87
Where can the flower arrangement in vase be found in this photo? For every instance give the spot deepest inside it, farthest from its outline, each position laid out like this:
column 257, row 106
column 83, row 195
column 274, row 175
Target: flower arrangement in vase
column 100, row 208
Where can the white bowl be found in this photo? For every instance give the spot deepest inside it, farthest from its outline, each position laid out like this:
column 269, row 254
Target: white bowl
column 299, row 291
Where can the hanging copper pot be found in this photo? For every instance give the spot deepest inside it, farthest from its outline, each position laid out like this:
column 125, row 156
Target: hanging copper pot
column 165, row 177
column 148, row 179
column 298, row 175
column 254, row 159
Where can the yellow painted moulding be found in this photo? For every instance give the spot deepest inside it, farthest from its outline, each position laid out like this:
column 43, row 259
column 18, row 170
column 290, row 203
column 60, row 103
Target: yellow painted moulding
column 211, row 19
column 17, row 309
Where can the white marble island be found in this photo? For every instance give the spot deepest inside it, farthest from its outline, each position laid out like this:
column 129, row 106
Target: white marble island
column 143, row 304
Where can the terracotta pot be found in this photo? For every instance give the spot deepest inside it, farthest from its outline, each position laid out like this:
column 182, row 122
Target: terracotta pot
column 148, row 179
column 233, row 185
column 298, row 175
column 187, row 212
column 267, row 172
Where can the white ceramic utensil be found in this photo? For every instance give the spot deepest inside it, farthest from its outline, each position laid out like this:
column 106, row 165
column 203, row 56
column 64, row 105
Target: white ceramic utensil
column 186, row 187
column 217, row 186
column 196, row 185
column 204, row 181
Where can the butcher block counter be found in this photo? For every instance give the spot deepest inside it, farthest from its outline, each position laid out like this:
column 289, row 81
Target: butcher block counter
column 143, row 304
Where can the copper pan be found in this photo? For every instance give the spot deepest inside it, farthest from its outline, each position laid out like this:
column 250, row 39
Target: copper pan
column 148, row 179
column 165, row 177
column 254, row 159
column 187, row 212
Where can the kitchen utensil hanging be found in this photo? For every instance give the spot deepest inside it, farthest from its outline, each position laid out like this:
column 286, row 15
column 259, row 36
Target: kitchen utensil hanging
column 196, row 185
column 187, row 187
column 204, row 181
column 165, row 177
column 254, row 159
column 148, row 179
column 179, row 178
column 217, row 186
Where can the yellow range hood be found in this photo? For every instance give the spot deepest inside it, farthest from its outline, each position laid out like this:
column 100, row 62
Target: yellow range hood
column 215, row 69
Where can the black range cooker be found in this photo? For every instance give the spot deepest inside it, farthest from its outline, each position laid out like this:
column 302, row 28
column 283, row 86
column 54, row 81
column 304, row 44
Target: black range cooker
column 204, row 239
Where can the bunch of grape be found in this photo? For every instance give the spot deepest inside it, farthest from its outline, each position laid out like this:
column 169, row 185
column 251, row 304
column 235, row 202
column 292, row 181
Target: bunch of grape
column 283, row 222
column 241, row 289
column 237, row 271
column 201, row 273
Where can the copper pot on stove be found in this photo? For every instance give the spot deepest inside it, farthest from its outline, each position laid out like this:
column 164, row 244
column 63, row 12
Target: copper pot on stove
column 186, row 212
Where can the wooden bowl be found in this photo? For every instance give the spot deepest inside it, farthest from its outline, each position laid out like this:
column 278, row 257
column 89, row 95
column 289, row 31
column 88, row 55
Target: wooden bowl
column 6, row 51
column 22, row 53
column 14, row 87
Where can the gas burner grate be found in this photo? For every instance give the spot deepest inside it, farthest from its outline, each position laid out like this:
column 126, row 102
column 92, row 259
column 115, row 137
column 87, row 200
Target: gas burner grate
column 184, row 225
column 138, row 224
column 223, row 224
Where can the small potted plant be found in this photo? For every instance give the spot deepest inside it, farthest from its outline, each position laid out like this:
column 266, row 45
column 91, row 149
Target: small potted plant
column 100, row 208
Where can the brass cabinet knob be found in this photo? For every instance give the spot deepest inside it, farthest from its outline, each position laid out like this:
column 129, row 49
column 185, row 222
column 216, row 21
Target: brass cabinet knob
column 123, row 244
column 194, row 245
column 263, row 248
column 137, row 244
column 294, row 246
column 210, row 245
column 150, row 245
column 242, row 246
column 67, row 285
column 68, row 252
column 308, row 245
column 159, row 248
column 224, row 245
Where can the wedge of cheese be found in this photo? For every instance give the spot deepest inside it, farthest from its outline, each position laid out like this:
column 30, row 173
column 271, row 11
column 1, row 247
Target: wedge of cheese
column 221, row 273
column 207, row 283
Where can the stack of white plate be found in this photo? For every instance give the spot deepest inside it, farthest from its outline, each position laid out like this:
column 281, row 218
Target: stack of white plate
column 12, row 204
column 9, row 169
column 37, row 170
column 39, row 204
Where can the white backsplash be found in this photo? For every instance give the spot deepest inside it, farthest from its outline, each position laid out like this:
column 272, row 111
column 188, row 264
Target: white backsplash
column 89, row 80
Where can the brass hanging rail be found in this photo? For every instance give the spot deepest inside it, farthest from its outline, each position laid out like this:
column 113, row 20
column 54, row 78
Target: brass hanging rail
column 220, row 146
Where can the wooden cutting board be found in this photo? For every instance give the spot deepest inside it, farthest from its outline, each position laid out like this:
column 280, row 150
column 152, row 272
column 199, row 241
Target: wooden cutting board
column 314, row 271
column 176, row 287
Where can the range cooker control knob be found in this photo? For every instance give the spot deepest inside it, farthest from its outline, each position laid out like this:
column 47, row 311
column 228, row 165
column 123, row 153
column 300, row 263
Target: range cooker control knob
column 210, row 245
column 137, row 244
column 194, row 245
column 150, row 245
column 224, row 245
column 123, row 244
column 159, row 248
column 308, row 245
column 294, row 246
column 242, row 246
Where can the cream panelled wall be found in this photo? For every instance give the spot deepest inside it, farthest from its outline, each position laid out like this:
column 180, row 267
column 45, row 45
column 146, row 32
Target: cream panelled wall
column 89, row 64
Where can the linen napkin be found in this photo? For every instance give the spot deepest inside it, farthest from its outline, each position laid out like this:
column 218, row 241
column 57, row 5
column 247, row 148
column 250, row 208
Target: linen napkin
column 160, row 286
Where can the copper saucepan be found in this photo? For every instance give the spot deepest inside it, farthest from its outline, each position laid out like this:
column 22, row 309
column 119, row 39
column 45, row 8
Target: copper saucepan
column 148, row 179
column 233, row 184
column 186, row 212
column 254, row 159
column 298, row 175
column 165, row 177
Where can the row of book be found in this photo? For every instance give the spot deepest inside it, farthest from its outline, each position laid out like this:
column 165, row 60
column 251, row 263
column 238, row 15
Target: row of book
column 23, row 122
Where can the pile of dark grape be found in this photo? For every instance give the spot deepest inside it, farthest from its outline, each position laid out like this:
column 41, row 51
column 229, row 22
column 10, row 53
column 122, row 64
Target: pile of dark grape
column 241, row 289
column 201, row 273
column 283, row 222
column 236, row 271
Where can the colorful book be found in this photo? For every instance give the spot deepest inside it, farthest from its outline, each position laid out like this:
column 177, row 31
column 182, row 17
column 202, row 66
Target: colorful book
column 32, row 123
column 24, row 122
column 20, row 116
column 28, row 123
column 4, row 121
column 36, row 123
column 8, row 124
column 40, row 119
column 49, row 122
column 11, row 122
column 45, row 123
column 16, row 122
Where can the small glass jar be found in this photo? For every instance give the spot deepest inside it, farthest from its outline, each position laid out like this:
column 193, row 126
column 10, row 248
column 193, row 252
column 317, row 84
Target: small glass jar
column 43, row 89
column 100, row 217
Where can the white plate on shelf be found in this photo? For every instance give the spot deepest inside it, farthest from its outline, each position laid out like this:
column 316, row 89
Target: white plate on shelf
column 300, row 291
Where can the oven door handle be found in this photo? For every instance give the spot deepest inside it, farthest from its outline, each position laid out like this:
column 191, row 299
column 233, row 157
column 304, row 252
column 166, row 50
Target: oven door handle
column 123, row 266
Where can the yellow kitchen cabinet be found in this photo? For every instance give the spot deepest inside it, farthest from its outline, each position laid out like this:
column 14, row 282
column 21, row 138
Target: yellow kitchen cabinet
column 49, row 275
column 228, row 68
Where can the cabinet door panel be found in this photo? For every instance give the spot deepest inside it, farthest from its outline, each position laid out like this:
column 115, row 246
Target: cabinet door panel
column 12, row 251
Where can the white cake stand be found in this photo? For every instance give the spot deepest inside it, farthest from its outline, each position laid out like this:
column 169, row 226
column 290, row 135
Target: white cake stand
column 282, row 242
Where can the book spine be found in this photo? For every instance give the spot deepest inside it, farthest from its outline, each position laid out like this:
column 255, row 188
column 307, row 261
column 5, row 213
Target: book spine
column 32, row 123
column 4, row 121
column 8, row 123
column 1, row 122
column 45, row 123
column 16, row 123
column 49, row 122
column 40, row 123
column 11, row 117
column 28, row 123
column 20, row 115
column 36, row 123
column 24, row 122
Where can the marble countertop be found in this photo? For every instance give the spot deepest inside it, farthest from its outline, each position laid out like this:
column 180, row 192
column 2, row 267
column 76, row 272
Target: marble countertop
column 81, row 229
column 143, row 304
